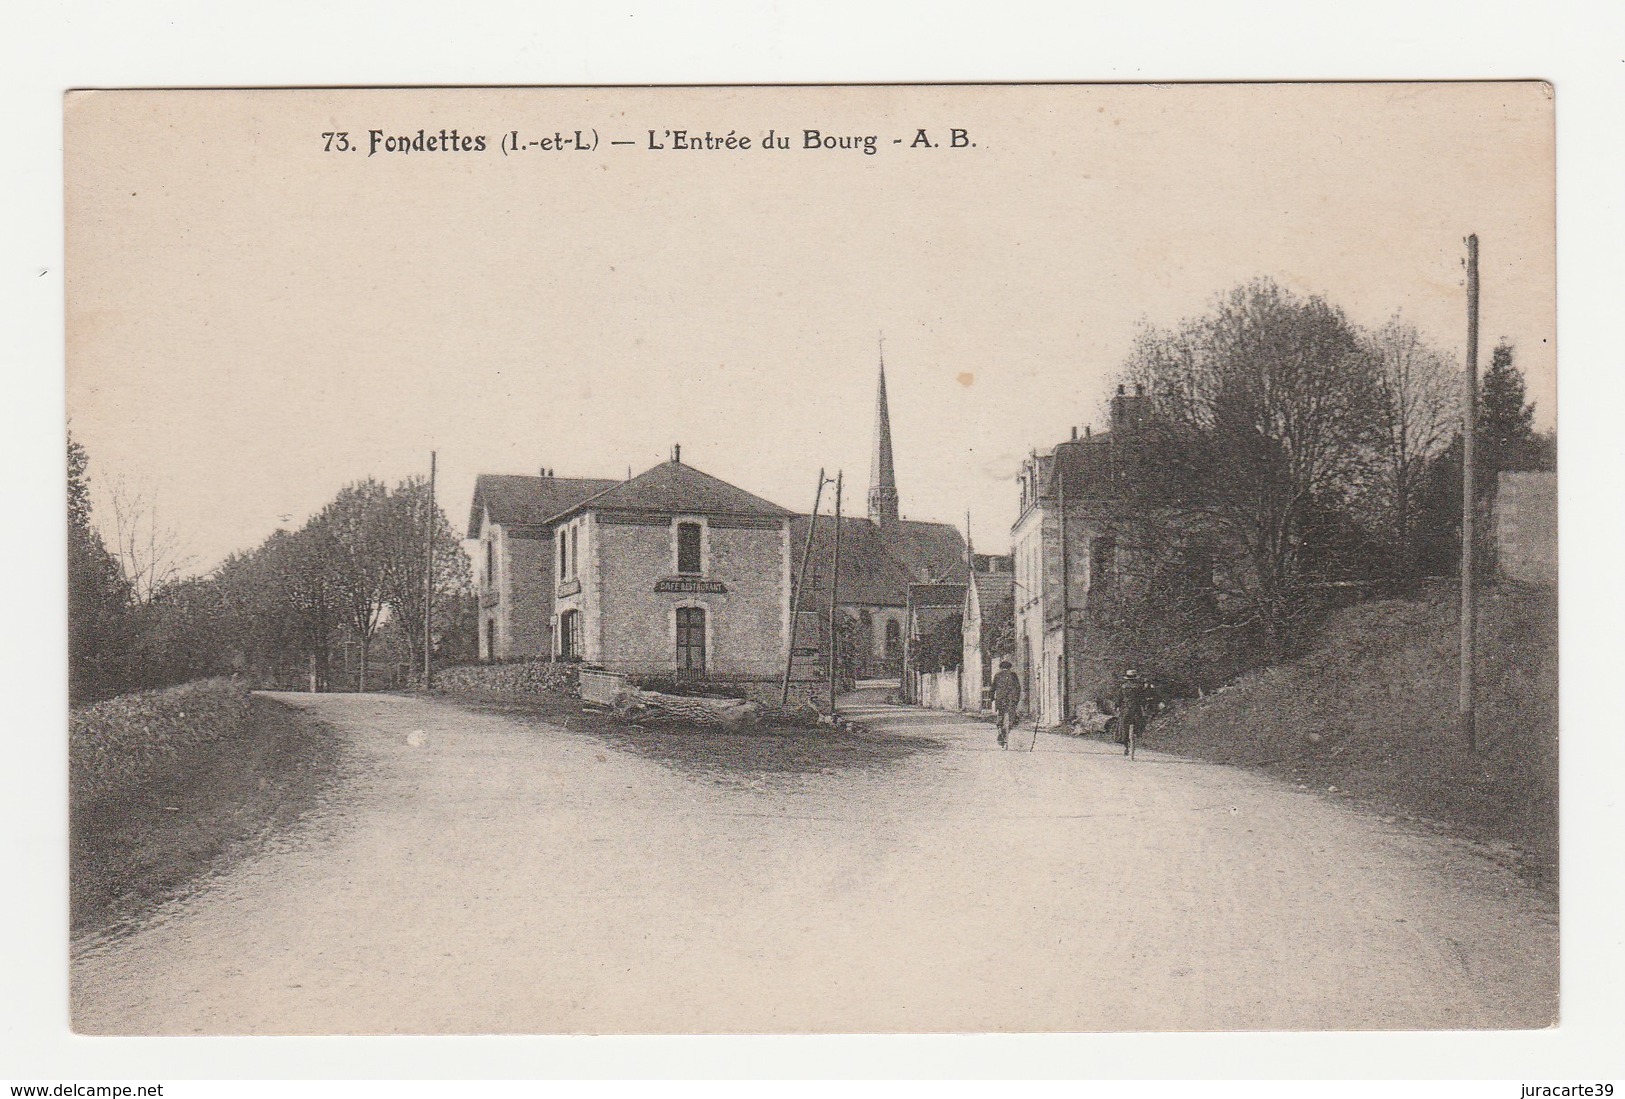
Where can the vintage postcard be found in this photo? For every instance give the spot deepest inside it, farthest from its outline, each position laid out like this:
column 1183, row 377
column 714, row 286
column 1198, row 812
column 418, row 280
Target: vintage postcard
column 1004, row 558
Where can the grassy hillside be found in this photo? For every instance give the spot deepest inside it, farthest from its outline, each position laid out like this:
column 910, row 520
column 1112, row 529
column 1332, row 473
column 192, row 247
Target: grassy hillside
column 1370, row 714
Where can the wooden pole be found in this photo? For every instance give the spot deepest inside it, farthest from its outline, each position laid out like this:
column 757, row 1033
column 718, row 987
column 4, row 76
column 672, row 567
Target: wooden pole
column 801, row 579
column 834, row 589
column 1063, row 683
column 1469, row 504
column 428, row 581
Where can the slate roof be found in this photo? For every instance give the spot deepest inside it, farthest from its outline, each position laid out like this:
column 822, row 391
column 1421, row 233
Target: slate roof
column 877, row 566
column 519, row 501
column 674, row 488
column 993, row 588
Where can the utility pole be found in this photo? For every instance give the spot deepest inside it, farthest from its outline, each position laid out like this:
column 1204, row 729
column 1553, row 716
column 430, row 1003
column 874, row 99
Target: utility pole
column 801, row 579
column 428, row 580
column 834, row 589
column 1064, row 681
column 1469, row 504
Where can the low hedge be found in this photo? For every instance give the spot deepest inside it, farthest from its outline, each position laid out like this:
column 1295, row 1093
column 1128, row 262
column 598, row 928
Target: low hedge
column 525, row 677
column 121, row 740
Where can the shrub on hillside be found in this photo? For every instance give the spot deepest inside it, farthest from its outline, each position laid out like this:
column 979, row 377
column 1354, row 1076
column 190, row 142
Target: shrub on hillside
column 117, row 742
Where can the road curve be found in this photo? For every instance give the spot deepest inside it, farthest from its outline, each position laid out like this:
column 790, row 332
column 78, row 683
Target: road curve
column 479, row 874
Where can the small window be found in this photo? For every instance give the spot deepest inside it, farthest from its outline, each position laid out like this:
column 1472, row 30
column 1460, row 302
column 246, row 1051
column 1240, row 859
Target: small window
column 490, row 561
column 564, row 557
column 575, row 551
column 688, row 548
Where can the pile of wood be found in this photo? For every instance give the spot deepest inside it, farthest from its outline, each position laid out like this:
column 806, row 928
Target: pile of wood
column 654, row 708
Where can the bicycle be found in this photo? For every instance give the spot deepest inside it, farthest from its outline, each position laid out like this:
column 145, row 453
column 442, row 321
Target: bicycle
column 1130, row 728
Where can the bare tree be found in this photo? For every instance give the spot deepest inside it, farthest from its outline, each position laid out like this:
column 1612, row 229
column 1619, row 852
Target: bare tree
column 1418, row 406
column 149, row 552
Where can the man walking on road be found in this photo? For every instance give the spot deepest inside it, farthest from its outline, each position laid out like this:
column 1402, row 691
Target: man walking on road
column 1135, row 704
column 1006, row 699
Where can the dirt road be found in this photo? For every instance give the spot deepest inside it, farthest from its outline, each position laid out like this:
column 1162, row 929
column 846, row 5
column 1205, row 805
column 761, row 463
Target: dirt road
column 477, row 873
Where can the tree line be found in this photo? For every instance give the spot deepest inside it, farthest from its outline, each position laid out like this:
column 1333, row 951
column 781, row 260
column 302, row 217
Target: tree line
column 1286, row 453
column 348, row 582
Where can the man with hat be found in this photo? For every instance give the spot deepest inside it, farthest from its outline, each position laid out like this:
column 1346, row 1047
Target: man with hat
column 1135, row 703
column 1006, row 700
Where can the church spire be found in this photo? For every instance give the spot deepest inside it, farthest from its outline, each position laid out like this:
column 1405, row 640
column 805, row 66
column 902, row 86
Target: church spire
column 882, row 474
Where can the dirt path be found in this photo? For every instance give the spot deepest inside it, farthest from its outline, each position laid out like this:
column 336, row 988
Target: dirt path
column 483, row 875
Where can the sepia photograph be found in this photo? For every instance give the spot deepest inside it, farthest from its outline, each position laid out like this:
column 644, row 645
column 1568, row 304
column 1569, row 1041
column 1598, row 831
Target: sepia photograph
column 820, row 559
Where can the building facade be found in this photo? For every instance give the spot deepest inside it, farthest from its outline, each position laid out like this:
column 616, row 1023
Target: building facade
column 673, row 572
column 1081, row 547
column 513, row 558
column 549, row 550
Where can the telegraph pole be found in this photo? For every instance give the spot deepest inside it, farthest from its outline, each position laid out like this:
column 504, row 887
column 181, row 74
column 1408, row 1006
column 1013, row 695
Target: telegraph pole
column 834, row 588
column 801, row 579
column 1469, row 508
column 1064, row 686
column 428, row 580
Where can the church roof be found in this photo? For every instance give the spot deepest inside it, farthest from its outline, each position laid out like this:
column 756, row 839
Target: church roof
column 878, row 563
column 674, row 488
column 515, row 500
column 936, row 595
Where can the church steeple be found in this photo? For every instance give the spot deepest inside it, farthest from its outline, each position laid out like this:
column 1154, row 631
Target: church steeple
column 882, row 474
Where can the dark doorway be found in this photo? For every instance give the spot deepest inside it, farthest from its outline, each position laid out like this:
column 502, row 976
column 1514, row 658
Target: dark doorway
column 691, row 640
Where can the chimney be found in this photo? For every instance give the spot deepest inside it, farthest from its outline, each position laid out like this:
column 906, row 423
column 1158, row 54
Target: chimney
column 1128, row 412
column 1086, row 433
column 1074, row 434
column 677, row 452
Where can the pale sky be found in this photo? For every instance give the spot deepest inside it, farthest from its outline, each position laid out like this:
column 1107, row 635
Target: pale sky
column 253, row 322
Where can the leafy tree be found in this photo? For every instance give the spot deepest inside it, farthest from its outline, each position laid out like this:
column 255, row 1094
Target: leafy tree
column 1506, row 420
column 403, row 536
column 351, row 536
column 100, row 628
column 1259, row 409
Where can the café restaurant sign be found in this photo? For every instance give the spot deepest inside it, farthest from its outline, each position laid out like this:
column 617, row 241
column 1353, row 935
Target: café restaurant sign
column 691, row 584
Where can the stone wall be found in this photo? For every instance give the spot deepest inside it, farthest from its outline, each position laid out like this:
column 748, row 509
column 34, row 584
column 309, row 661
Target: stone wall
column 1526, row 526
column 522, row 677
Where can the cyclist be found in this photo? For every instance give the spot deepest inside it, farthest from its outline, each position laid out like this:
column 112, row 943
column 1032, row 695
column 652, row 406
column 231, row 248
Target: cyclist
column 1006, row 699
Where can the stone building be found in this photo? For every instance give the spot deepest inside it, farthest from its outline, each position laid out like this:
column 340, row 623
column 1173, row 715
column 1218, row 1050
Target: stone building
column 1080, row 547
column 674, row 572
column 523, row 599
column 513, row 561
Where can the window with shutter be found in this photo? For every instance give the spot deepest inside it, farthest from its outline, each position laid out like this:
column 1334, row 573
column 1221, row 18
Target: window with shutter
column 688, row 548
